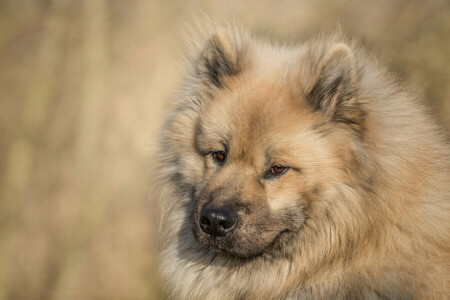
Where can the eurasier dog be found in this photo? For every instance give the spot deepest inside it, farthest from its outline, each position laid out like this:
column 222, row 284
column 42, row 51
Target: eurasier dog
column 300, row 172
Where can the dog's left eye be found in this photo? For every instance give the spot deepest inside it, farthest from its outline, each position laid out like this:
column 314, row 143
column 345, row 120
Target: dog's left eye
column 278, row 170
column 275, row 171
column 219, row 156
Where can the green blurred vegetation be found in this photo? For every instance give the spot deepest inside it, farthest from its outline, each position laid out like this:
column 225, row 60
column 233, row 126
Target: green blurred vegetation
column 84, row 86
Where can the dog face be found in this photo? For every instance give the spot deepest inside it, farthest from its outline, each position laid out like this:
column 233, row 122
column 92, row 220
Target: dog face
column 251, row 174
column 267, row 149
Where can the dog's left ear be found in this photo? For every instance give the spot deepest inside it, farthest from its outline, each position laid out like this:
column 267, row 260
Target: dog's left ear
column 219, row 58
column 335, row 84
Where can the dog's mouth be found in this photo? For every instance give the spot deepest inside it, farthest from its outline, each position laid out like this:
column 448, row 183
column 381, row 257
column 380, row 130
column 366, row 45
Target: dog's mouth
column 235, row 250
column 244, row 236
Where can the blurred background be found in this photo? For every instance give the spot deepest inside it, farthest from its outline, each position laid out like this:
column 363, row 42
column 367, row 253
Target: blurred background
column 84, row 87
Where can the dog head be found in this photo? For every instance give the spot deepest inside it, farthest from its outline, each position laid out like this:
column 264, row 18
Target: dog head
column 262, row 137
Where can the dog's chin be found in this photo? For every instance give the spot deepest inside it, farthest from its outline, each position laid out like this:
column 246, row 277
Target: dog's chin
column 234, row 251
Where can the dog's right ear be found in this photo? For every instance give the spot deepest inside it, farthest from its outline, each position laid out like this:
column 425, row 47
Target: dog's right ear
column 218, row 59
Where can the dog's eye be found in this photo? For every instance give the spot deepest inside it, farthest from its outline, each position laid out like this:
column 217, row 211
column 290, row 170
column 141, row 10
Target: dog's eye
column 219, row 156
column 278, row 170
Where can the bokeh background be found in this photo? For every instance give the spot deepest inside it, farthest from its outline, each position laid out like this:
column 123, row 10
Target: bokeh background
column 84, row 87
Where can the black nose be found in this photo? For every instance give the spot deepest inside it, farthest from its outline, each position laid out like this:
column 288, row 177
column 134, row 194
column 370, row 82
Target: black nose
column 217, row 222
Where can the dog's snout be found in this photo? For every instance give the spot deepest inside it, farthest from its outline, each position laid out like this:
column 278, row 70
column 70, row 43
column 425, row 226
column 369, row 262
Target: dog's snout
column 217, row 221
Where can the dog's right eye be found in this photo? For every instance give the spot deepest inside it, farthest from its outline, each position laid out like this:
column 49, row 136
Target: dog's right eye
column 219, row 156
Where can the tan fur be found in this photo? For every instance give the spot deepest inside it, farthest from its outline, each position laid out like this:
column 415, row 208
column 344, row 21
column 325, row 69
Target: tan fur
column 374, row 191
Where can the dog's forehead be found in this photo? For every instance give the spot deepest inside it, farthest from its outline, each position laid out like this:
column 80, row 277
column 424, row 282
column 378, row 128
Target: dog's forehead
column 256, row 112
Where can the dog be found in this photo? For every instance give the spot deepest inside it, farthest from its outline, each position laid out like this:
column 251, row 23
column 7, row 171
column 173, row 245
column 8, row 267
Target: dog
column 300, row 172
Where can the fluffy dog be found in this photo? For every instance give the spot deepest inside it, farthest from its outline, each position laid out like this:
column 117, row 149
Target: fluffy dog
column 300, row 172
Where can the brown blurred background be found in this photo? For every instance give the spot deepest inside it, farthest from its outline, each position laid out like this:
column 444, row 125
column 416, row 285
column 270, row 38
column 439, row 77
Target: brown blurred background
column 84, row 87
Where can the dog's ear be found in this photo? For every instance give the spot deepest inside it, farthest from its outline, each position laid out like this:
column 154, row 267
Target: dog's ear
column 335, row 86
column 219, row 58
